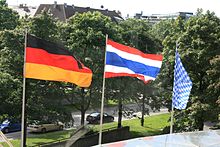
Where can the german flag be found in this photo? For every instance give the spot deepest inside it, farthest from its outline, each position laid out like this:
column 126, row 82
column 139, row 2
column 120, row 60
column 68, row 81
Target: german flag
column 50, row 61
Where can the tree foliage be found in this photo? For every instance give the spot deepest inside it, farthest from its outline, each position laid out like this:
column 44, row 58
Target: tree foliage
column 162, row 29
column 136, row 33
column 198, row 41
column 214, row 83
column 85, row 35
column 46, row 95
column 44, row 98
column 165, row 77
column 8, row 18
column 10, row 73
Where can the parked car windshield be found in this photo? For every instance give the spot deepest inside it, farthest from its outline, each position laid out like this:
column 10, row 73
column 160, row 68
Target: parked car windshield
column 6, row 122
column 94, row 114
column 35, row 122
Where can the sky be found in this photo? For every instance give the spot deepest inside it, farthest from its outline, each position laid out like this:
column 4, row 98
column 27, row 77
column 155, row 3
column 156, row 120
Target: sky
column 131, row 7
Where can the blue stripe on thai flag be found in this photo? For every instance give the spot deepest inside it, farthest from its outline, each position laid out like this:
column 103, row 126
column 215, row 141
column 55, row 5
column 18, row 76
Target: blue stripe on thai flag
column 126, row 61
column 136, row 67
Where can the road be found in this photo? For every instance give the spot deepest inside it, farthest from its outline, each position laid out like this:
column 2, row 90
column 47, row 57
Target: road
column 77, row 117
column 15, row 135
column 11, row 136
column 114, row 112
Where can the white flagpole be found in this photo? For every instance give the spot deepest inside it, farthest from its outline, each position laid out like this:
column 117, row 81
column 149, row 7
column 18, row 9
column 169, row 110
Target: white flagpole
column 103, row 95
column 172, row 111
column 23, row 121
column 171, row 121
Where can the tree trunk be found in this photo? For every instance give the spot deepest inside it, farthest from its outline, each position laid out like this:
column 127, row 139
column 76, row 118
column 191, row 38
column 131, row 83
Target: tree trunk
column 82, row 108
column 200, row 124
column 119, row 112
column 201, row 120
column 82, row 117
column 143, row 111
column 143, row 105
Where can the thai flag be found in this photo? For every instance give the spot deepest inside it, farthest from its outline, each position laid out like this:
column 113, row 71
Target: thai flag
column 123, row 60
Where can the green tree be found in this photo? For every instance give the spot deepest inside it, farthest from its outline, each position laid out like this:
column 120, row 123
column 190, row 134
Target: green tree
column 162, row 29
column 45, row 96
column 85, row 34
column 165, row 77
column 201, row 42
column 44, row 26
column 11, row 49
column 117, row 89
column 214, row 85
column 137, row 33
column 198, row 41
column 8, row 18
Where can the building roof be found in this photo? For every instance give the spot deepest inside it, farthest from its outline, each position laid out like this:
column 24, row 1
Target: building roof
column 209, row 138
column 23, row 9
column 64, row 11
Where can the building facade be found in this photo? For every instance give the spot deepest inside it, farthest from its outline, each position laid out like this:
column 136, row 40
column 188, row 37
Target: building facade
column 155, row 18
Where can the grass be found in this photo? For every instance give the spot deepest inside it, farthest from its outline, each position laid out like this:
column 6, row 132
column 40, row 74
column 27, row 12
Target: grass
column 39, row 139
column 111, row 103
column 153, row 125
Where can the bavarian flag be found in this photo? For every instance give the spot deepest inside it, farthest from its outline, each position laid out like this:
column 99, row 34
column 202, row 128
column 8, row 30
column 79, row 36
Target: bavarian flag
column 50, row 61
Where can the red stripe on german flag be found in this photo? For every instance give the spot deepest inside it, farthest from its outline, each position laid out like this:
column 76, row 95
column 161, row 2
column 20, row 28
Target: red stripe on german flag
column 49, row 61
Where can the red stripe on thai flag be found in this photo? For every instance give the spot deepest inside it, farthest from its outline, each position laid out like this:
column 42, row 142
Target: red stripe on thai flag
column 141, row 77
column 135, row 51
column 123, row 60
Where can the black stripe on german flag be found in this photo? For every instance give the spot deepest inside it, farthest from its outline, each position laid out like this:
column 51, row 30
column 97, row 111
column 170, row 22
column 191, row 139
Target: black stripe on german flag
column 50, row 47
column 50, row 61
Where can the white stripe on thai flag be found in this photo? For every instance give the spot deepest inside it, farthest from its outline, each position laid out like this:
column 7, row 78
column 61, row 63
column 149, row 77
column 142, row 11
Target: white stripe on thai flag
column 122, row 60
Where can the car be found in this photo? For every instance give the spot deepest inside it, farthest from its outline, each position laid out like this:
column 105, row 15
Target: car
column 10, row 125
column 43, row 127
column 94, row 118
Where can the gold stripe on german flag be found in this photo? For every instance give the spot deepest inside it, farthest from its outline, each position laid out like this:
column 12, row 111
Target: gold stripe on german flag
column 50, row 61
